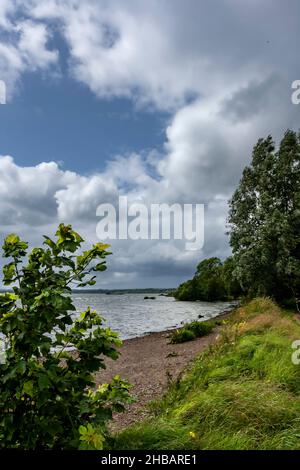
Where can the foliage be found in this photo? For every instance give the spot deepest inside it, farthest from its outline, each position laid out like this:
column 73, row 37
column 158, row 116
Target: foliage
column 210, row 280
column 47, row 390
column 181, row 336
column 264, row 220
column 231, row 284
column 187, row 291
column 201, row 328
column 213, row 280
column 242, row 393
column 191, row 331
column 91, row 438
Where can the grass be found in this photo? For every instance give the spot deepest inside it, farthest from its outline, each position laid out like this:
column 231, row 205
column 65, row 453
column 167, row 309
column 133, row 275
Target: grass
column 242, row 393
column 191, row 331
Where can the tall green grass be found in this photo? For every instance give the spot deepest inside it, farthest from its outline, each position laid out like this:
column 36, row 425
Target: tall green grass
column 242, row 393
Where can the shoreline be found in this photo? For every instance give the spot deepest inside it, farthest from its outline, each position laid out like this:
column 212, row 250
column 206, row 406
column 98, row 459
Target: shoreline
column 150, row 364
column 173, row 328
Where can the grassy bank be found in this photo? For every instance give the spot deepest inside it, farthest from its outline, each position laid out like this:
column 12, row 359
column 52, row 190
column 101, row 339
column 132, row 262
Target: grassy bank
column 242, row 393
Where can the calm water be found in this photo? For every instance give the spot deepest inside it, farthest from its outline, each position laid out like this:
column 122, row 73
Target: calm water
column 131, row 315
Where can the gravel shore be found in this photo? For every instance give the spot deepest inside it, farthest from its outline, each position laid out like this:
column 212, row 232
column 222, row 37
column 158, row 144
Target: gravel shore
column 149, row 363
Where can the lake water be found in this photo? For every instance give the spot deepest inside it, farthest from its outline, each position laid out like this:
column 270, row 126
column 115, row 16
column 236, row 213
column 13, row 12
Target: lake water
column 131, row 315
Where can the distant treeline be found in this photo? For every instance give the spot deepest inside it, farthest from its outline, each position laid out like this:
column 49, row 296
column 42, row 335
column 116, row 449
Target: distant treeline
column 148, row 290
column 264, row 231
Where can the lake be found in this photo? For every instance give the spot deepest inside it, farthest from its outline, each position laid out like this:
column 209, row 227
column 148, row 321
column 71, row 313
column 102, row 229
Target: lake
column 131, row 315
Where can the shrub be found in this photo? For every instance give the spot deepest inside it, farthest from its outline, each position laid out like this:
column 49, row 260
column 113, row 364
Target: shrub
column 201, row 328
column 191, row 331
column 47, row 395
column 181, row 336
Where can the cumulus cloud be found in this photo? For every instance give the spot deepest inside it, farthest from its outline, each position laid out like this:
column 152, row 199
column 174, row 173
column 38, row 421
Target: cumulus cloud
column 159, row 53
column 220, row 68
column 28, row 193
column 210, row 141
column 38, row 198
column 6, row 7
column 32, row 45
column 23, row 46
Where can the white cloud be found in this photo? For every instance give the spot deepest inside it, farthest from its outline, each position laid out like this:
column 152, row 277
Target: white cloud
column 33, row 45
column 155, row 52
column 207, row 145
column 23, row 48
column 231, row 59
column 6, row 7
column 27, row 193
column 160, row 52
column 40, row 197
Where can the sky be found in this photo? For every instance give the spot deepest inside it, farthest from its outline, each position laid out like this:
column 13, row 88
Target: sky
column 161, row 101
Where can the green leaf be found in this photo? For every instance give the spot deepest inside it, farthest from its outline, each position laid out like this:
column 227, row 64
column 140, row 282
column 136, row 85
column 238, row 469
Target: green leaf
column 9, row 273
column 12, row 239
column 100, row 266
column 91, row 438
column 43, row 382
column 28, row 388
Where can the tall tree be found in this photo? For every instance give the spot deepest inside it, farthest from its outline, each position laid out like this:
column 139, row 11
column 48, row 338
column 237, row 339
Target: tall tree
column 264, row 220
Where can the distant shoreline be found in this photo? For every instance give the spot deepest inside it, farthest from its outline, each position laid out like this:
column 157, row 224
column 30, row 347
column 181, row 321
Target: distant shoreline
column 148, row 290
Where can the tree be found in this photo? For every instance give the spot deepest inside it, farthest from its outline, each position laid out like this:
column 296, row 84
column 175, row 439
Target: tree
column 210, row 280
column 264, row 220
column 187, row 291
column 208, row 284
column 231, row 284
column 47, row 389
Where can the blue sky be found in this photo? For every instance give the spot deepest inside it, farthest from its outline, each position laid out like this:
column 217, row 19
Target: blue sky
column 154, row 100
column 62, row 120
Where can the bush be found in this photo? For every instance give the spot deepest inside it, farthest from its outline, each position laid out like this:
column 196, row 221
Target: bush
column 191, row 331
column 200, row 328
column 48, row 398
column 181, row 336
